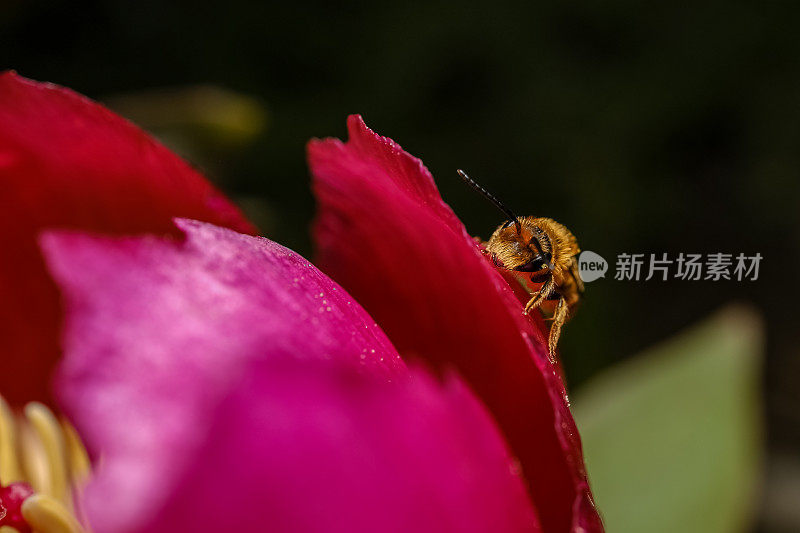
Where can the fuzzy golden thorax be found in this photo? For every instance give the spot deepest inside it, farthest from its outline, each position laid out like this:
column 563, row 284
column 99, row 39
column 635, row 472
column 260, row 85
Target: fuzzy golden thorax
column 517, row 251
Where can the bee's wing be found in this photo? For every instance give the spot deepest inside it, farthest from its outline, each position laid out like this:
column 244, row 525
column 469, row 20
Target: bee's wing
column 575, row 273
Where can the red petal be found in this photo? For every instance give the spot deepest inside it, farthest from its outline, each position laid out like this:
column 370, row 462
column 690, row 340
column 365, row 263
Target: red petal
column 67, row 162
column 385, row 234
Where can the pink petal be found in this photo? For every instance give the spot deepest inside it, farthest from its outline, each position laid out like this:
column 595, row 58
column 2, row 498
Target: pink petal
column 385, row 234
column 228, row 385
column 324, row 450
column 67, row 162
column 158, row 331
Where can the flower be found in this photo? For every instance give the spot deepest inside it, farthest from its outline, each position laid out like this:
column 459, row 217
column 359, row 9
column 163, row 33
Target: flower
column 221, row 381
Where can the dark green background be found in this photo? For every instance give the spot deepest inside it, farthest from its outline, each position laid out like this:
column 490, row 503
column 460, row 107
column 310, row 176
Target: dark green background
column 644, row 128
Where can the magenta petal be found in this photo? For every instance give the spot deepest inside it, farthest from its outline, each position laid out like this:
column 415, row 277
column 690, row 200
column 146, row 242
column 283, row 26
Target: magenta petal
column 307, row 448
column 384, row 232
column 227, row 385
column 158, row 331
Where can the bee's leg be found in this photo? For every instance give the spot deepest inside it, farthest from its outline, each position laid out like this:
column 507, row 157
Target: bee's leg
column 541, row 295
column 559, row 317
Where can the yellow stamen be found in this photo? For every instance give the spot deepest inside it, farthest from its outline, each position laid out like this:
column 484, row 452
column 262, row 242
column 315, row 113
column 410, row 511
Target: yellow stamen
column 32, row 456
column 49, row 433
column 79, row 465
column 45, row 452
column 10, row 470
column 47, row 515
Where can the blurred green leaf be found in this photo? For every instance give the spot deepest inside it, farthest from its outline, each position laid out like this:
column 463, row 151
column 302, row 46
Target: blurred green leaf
column 211, row 117
column 672, row 438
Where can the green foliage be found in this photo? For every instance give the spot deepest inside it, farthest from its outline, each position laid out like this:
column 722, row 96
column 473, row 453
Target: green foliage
column 197, row 120
column 673, row 437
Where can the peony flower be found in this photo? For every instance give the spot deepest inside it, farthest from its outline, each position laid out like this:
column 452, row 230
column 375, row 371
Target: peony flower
column 222, row 382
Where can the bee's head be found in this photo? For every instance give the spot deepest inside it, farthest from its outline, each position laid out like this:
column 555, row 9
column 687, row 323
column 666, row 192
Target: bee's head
column 521, row 246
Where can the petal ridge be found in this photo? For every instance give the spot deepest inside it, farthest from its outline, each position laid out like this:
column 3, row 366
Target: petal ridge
column 384, row 233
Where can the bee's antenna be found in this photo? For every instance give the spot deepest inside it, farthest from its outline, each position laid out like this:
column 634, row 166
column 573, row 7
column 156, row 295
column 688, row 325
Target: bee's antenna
column 502, row 207
column 492, row 198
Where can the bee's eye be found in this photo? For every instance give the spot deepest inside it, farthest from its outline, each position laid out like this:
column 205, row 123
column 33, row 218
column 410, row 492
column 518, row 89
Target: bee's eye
column 534, row 265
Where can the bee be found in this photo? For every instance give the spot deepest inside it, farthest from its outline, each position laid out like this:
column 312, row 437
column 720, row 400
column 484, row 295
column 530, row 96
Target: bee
column 545, row 249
